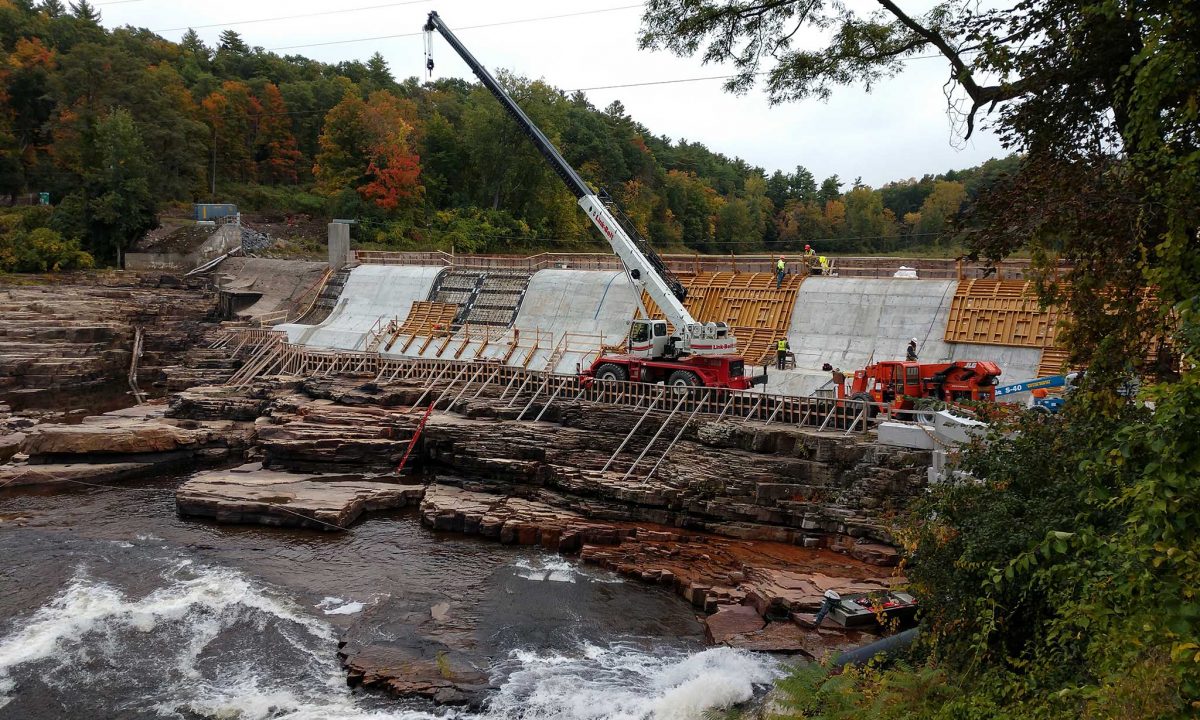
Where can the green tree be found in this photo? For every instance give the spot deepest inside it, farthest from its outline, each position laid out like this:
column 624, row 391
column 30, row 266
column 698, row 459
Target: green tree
column 192, row 44
column 379, row 73
column 802, row 185
column 115, row 205
column 831, row 189
column 85, row 11
column 868, row 226
column 1076, row 597
column 53, row 8
column 940, row 209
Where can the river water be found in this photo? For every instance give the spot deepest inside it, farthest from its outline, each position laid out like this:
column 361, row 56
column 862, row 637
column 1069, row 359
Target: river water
column 113, row 607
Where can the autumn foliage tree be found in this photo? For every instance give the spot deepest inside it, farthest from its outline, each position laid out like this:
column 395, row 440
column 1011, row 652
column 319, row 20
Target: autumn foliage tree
column 365, row 148
column 276, row 152
column 233, row 115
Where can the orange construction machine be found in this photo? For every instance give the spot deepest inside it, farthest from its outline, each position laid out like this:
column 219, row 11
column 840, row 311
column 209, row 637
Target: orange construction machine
column 898, row 383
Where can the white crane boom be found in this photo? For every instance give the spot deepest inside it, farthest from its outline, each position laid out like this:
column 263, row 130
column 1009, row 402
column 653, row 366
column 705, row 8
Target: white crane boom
column 644, row 266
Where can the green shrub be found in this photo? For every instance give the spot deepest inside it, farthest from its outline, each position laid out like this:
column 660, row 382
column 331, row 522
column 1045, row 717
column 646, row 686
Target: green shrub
column 41, row 250
column 289, row 199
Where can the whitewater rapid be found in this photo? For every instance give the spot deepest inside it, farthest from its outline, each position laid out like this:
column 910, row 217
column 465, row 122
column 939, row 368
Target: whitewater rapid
column 209, row 641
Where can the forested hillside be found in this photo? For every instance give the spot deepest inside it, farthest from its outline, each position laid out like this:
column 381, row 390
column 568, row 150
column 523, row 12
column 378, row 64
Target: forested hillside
column 116, row 124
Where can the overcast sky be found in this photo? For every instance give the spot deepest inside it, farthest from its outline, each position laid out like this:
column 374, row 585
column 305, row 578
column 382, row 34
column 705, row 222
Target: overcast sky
column 899, row 130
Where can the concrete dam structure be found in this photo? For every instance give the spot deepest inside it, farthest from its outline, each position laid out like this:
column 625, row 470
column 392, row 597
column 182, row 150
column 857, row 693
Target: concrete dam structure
column 560, row 320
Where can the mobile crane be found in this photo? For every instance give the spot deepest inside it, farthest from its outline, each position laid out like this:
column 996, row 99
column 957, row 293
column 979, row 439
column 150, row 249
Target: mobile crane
column 696, row 354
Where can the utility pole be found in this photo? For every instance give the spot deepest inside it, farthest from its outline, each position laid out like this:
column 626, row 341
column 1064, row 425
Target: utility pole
column 214, row 162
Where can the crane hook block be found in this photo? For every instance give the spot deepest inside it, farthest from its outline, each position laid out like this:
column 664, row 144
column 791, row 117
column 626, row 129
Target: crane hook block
column 429, row 64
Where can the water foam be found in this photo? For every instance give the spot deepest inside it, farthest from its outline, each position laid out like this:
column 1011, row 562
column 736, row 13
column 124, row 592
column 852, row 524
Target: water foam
column 623, row 682
column 91, row 631
column 553, row 568
column 93, row 627
column 337, row 606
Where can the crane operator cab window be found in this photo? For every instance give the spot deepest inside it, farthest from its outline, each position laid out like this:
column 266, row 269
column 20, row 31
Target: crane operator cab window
column 639, row 332
column 660, row 329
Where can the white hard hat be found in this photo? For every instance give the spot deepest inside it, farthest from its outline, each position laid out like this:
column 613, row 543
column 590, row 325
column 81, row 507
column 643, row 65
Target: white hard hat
column 914, row 340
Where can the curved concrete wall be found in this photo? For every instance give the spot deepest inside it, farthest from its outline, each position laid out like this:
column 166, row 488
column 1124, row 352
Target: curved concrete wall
column 557, row 302
column 848, row 322
column 280, row 284
column 372, row 292
column 589, row 302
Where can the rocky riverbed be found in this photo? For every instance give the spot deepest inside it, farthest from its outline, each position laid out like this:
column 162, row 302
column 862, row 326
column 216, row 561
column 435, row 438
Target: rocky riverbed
column 747, row 525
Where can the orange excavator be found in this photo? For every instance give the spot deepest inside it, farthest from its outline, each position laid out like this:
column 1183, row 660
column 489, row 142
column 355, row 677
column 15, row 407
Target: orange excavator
column 898, row 383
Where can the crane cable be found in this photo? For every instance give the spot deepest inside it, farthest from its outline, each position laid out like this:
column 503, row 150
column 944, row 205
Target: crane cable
column 429, row 55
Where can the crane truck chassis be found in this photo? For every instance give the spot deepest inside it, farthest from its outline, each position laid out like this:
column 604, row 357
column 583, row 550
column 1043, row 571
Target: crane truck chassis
column 696, row 354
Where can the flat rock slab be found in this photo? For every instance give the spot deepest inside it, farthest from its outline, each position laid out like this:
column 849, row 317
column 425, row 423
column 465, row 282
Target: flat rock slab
column 105, row 435
column 790, row 638
column 732, row 621
column 266, row 497
column 17, row 474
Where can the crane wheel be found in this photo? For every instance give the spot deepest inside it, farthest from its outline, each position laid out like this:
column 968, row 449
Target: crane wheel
column 866, row 397
column 612, row 371
column 683, row 382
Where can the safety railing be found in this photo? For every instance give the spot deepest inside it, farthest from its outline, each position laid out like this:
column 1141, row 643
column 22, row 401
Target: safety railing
column 846, row 266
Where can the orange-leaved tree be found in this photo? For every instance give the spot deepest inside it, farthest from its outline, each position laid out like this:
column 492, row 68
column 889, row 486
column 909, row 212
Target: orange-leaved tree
column 232, row 114
column 365, row 147
column 279, row 158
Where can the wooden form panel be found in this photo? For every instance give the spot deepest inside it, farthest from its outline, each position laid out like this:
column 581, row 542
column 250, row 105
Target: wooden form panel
column 424, row 317
column 1053, row 362
column 758, row 313
column 1000, row 312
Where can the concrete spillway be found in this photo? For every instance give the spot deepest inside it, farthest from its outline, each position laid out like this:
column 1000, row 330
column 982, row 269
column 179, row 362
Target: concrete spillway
column 567, row 315
column 597, row 303
column 373, row 293
column 850, row 322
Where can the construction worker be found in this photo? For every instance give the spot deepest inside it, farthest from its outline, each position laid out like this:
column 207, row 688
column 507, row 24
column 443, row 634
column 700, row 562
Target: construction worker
column 781, row 351
column 911, row 354
column 824, row 266
column 780, row 271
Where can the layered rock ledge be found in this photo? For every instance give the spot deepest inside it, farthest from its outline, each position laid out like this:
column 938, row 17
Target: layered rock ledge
column 265, row 497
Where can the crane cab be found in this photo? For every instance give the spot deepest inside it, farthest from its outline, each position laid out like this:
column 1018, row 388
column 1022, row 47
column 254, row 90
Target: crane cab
column 650, row 339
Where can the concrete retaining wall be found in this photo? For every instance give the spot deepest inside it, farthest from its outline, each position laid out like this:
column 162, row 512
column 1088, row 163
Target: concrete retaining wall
column 251, row 287
column 223, row 239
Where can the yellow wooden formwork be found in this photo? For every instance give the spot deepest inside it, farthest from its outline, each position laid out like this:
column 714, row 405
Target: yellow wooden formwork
column 424, row 319
column 1053, row 362
column 757, row 312
column 1000, row 312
